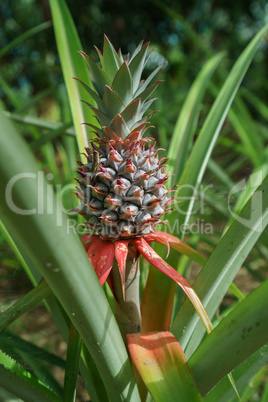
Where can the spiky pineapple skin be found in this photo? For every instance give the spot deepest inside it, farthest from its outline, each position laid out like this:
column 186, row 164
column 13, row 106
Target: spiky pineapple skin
column 124, row 194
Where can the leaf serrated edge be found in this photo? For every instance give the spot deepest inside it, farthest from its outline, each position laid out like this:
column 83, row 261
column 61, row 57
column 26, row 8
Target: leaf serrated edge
column 16, row 371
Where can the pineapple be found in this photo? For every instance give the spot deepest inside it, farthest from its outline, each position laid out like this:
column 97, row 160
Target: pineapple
column 122, row 185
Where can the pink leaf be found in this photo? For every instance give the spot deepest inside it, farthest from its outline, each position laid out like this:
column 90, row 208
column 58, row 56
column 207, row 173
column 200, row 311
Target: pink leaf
column 151, row 237
column 177, row 244
column 121, row 252
column 88, row 239
column 143, row 247
column 163, row 367
column 101, row 255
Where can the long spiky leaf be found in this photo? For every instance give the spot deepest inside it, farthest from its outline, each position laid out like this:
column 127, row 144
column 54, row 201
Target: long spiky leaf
column 151, row 256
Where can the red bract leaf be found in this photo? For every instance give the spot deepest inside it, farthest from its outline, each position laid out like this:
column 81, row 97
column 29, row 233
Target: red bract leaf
column 151, row 237
column 143, row 247
column 101, row 255
column 88, row 239
column 177, row 244
column 162, row 365
column 121, row 252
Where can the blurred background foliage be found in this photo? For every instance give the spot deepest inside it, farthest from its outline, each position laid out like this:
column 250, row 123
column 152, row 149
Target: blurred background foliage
column 184, row 33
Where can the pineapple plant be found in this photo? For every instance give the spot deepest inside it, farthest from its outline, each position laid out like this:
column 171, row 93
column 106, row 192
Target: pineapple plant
column 122, row 184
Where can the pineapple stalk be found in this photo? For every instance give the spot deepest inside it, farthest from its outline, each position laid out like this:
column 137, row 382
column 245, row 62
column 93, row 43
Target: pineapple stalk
column 127, row 306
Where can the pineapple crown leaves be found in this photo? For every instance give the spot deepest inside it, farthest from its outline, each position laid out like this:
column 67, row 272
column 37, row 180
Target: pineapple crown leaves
column 119, row 94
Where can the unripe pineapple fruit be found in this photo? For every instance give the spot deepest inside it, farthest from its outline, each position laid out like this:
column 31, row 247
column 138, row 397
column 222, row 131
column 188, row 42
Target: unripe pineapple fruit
column 122, row 184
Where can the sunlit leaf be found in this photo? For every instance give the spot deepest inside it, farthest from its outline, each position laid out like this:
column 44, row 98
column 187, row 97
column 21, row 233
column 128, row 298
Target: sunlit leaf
column 15, row 379
column 161, row 363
